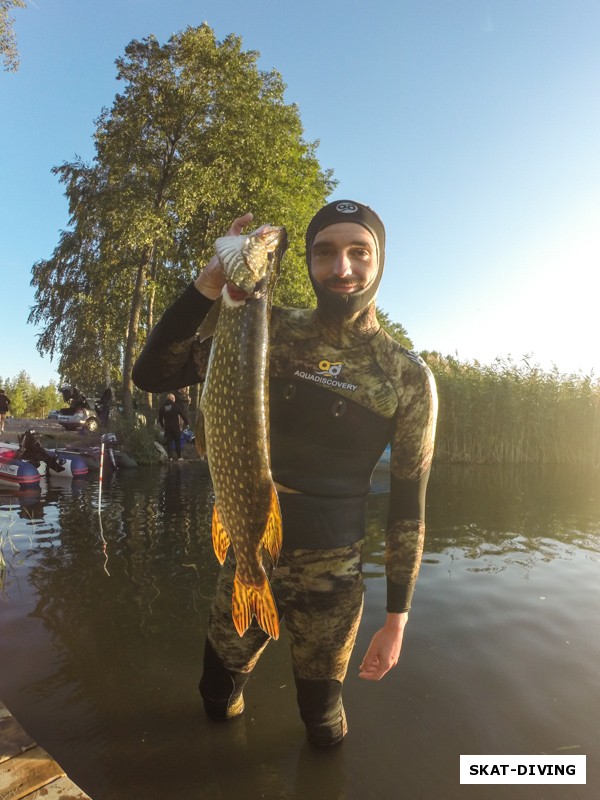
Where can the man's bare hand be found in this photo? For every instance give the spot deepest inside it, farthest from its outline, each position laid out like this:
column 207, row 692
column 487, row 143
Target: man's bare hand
column 384, row 651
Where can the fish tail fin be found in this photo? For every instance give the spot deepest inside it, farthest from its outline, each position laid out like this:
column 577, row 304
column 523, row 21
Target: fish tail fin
column 273, row 535
column 220, row 537
column 258, row 601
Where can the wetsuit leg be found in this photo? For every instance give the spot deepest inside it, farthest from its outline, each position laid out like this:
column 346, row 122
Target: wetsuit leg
column 228, row 657
column 175, row 438
column 322, row 711
column 221, row 688
column 322, row 597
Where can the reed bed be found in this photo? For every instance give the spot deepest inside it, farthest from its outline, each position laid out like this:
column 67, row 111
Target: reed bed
column 515, row 413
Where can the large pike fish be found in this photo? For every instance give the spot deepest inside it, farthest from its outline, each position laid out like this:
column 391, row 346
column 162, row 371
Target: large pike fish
column 234, row 403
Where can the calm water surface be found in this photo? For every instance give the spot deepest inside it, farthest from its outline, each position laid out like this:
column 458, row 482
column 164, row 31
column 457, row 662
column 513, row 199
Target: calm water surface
column 101, row 631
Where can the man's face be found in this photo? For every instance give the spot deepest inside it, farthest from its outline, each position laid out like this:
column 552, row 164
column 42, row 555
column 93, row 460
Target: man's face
column 343, row 257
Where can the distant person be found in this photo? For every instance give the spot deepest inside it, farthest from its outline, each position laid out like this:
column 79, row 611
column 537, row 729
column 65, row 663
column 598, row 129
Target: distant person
column 78, row 399
column 170, row 417
column 4, row 406
column 104, row 405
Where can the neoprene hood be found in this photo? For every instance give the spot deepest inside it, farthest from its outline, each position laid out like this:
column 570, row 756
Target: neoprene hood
column 346, row 305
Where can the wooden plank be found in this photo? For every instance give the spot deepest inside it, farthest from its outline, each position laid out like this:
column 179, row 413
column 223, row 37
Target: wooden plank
column 22, row 775
column 61, row 789
column 13, row 739
column 26, row 771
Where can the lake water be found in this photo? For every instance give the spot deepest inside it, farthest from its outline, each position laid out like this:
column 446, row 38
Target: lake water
column 102, row 626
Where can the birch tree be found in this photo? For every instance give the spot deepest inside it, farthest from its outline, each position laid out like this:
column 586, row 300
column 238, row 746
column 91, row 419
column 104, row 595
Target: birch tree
column 198, row 136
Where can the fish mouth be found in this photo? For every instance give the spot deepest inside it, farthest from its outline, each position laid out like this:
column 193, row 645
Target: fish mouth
column 235, row 293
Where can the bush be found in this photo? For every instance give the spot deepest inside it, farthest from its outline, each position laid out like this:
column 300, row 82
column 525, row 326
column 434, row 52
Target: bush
column 136, row 439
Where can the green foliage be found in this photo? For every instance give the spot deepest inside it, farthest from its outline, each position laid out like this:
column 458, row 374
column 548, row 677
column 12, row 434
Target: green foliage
column 198, row 136
column 8, row 43
column 28, row 400
column 395, row 329
column 515, row 413
column 135, row 439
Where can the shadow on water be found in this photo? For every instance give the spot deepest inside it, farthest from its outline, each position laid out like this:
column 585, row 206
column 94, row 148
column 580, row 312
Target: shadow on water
column 100, row 644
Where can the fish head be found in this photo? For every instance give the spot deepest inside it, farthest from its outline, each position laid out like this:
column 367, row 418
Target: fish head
column 247, row 260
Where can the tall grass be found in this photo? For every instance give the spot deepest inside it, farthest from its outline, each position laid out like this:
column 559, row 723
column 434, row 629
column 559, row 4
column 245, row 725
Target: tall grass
column 515, row 413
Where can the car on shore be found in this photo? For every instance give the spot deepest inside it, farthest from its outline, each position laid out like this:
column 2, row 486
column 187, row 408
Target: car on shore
column 77, row 419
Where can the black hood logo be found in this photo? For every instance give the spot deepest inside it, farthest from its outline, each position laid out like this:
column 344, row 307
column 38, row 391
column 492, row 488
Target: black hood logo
column 346, row 208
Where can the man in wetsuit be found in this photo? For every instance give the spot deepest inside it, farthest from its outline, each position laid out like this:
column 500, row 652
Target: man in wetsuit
column 170, row 417
column 340, row 390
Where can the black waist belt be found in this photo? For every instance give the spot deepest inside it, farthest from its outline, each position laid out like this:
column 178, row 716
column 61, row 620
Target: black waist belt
column 321, row 523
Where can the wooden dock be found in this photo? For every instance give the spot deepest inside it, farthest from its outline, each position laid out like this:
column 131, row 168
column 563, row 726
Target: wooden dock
column 26, row 771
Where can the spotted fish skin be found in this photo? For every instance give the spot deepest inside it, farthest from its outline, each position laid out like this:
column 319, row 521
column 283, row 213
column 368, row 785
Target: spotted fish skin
column 234, row 404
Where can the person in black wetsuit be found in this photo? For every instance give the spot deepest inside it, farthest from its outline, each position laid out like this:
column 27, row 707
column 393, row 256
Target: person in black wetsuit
column 4, row 407
column 170, row 417
column 340, row 389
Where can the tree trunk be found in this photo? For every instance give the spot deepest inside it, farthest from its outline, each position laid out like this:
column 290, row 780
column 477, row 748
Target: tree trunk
column 149, row 326
column 132, row 331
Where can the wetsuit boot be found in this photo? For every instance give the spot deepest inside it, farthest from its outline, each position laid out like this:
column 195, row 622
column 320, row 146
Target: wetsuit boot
column 322, row 711
column 221, row 689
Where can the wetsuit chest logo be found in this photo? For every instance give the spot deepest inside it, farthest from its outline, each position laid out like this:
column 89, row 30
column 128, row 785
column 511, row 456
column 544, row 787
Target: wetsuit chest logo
column 330, row 369
column 328, row 373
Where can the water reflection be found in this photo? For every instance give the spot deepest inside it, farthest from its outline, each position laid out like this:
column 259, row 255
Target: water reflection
column 498, row 516
column 103, row 619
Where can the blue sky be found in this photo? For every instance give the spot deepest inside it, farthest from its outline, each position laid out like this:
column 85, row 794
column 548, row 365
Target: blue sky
column 471, row 126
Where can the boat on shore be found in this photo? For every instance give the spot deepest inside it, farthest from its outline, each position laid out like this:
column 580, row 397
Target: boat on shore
column 113, row 459
column 20, row 459
column 17, row 473
column 74, row 466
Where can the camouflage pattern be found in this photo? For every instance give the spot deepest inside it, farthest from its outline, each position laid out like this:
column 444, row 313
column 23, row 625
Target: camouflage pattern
column 377, row 372
column 320, row 598
column 403, row 551
column 384, row 377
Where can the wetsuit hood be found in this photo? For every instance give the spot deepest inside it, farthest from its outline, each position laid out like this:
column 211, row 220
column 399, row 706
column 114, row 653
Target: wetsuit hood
column 346, row 305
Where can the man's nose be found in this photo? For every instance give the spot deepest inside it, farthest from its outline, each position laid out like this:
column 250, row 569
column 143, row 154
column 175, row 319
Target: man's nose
column 342, row 267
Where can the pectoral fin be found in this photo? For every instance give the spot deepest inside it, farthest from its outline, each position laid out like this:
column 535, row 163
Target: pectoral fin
column 258, row 601
column 209, row 323
column 199, row 434
column 220, row 537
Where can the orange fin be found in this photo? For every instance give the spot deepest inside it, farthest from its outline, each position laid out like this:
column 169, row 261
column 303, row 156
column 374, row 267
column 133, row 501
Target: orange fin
column 220, row 537
column 273, row 536
column 258, row 601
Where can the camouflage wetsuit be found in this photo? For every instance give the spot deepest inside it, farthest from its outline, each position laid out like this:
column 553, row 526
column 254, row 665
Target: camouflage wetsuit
column 338, row 394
